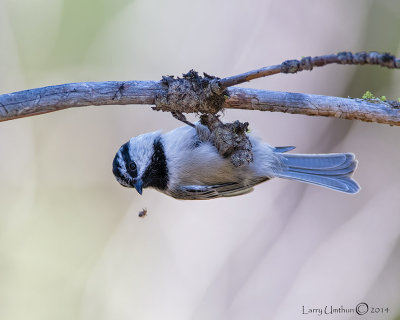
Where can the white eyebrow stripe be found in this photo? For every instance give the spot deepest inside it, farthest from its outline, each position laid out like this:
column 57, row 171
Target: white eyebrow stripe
column 120, row 160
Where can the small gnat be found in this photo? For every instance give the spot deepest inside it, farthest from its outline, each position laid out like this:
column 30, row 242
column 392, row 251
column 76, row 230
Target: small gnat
column 142, row 213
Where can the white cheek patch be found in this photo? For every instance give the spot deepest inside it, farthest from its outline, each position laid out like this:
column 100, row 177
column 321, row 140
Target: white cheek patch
column 143, row 168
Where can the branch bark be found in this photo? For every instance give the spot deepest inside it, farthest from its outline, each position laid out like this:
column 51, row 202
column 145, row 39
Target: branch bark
column 48, row 99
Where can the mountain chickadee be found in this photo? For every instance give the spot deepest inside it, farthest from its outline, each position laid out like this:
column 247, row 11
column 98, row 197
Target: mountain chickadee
column 185, row 164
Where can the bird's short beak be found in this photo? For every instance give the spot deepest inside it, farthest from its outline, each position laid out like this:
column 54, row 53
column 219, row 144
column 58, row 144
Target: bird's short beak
column 138, row 184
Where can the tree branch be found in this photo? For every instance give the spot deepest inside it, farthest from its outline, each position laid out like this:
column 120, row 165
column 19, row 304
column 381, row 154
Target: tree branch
column 48, row 99
column 208, row 94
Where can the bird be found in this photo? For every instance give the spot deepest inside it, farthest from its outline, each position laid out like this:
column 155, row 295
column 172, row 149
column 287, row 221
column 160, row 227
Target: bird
column 185, row 164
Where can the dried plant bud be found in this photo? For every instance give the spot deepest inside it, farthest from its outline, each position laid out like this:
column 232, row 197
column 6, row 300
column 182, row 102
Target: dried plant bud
column 230, row 139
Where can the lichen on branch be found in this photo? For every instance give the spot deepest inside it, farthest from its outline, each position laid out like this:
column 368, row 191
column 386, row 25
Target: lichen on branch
column 190, row 94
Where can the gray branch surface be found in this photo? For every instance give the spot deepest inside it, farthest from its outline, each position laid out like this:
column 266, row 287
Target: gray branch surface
column 48, row 99
column 314, row 105
column 53, row 98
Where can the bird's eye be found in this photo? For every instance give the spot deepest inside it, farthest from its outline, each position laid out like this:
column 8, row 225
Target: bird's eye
column 131, row 166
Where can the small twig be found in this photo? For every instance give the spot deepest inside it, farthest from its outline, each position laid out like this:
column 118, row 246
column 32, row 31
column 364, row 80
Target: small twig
column 181, row 117
column 307, row 63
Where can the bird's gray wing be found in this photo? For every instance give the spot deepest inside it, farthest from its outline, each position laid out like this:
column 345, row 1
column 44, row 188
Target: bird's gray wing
column 283, row 149
column 200, row 192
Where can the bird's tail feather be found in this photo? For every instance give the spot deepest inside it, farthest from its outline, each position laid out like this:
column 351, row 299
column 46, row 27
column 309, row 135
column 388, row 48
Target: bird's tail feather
column 328, row 170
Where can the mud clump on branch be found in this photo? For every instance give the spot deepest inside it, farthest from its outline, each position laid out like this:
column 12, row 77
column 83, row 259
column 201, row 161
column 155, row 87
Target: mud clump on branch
column 230, row 139
column 190, row 94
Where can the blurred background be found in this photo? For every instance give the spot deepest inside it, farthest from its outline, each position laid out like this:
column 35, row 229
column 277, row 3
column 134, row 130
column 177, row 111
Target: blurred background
column 71, row 243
